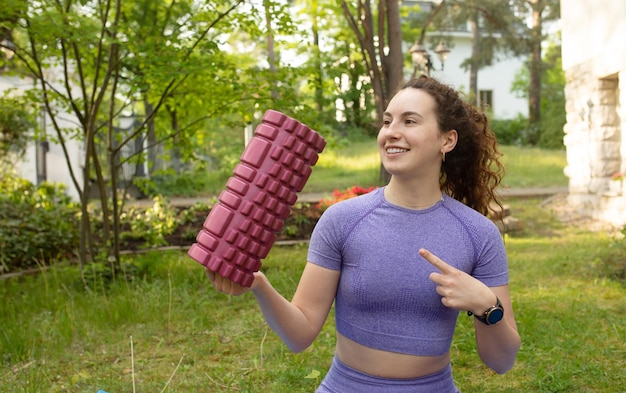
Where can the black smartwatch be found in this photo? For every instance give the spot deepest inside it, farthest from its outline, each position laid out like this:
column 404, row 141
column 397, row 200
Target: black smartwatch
column 492, row 316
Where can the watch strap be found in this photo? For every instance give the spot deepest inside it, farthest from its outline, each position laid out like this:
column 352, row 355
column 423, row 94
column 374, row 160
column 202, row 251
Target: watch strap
column 485, row 317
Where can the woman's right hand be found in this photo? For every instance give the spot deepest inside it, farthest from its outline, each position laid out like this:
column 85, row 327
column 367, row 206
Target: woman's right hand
column 229, row 287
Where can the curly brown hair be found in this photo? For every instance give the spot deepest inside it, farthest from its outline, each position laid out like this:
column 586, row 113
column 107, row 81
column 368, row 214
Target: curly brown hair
column 470, row 172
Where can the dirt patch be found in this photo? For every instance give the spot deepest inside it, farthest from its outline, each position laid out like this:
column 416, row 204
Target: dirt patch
column 570, row 216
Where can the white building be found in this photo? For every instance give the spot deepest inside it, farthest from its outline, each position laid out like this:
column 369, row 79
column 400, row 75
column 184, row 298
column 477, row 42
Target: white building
column 45, row 160
column 493, row 83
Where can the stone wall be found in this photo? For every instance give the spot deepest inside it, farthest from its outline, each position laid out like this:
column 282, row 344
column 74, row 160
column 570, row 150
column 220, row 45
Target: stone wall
column 594, row 138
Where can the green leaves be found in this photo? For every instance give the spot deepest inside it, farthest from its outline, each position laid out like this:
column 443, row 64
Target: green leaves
column 39, row 224
column 16, row 123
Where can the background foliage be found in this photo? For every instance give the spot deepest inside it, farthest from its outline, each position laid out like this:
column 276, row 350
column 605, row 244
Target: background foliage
column 16, row 126
column 39, row 224
column 548, row 131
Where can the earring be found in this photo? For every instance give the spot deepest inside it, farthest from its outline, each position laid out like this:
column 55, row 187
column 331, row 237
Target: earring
column 443, row 156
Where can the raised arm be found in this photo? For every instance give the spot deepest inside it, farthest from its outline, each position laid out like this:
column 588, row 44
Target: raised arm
column 498, row 344
column 297, row 322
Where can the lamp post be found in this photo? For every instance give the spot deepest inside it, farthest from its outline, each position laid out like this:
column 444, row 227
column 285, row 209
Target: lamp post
column 421, row 58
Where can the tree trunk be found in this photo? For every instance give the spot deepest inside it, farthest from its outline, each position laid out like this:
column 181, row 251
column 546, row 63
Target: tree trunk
column 176, row 158
column 85, row 227
column 114, row 161
column 395, row 60
column 271, row 54
column 153, row 149
column 392, row 58
column 363, row 27
column 473, row 82
column 534, row 89
column 317, row 61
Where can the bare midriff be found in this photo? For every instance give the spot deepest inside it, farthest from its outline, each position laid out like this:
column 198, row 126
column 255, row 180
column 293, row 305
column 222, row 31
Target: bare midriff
column 386, row 364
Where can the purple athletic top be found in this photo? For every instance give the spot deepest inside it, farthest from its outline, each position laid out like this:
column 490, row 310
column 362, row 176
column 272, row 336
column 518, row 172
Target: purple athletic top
column 385, row 299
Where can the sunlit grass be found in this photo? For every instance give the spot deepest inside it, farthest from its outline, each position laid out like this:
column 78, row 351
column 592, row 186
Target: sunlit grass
column 57, row 336
column 533, row 167
column 339, row 167
column 359, row 164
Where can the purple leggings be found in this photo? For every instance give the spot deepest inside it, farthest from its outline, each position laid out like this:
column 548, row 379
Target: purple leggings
column 342, row 379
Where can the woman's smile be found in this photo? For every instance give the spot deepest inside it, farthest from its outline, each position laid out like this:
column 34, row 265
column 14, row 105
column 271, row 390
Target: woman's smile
column 396, row 150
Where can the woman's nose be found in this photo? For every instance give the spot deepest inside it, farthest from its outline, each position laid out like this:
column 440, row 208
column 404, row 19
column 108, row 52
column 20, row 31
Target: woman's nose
column 391, row 131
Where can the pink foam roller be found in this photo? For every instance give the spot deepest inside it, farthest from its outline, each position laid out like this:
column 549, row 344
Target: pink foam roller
column 241, row 228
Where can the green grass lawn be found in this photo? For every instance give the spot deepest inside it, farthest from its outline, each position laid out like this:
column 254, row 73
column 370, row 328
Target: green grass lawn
column 164, row 329
column 355, row 164
column 58, row 336
column 533, row 167
column 359, row 164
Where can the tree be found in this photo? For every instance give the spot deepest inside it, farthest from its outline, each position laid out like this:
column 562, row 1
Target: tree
column 380, row 44
column 501, row 27
column 98, row 60
column 540, row 11
column 548, row 133
column 334, row 71
column 494, row 29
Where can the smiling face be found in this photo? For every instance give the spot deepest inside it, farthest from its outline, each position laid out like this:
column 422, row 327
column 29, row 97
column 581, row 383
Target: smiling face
column 410, row 141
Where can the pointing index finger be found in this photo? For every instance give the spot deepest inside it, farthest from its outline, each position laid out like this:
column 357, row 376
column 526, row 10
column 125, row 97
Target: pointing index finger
column 436, row 261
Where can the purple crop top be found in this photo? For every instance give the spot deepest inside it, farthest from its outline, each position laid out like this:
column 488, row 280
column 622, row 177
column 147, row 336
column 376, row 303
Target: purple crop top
column 385, row 299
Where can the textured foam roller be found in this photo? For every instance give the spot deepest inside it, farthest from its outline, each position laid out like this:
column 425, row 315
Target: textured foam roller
column 241, row 228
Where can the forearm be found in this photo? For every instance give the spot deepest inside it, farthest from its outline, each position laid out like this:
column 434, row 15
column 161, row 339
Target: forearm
column 285, row 318
column 497, row 345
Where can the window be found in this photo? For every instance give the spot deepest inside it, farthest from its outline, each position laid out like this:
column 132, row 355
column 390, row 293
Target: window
column 485, row 100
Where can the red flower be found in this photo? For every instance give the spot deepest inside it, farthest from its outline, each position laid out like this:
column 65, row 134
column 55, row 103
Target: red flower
column 342, row 196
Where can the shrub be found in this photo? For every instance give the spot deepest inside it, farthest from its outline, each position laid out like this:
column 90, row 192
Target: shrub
column 510, row 131
column 39, row 224
column 547, row 134
column 152, row 224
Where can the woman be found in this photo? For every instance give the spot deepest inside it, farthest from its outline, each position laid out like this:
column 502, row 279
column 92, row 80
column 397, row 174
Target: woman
column 400, row 262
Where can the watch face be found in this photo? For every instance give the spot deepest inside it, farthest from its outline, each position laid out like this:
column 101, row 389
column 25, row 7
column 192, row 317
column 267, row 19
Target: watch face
column 495, row 316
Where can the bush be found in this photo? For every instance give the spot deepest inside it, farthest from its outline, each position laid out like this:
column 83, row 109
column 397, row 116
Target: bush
column 152, row 224
column 39, row 224
column 510, row 131
column 551, row 124
column 548, row 134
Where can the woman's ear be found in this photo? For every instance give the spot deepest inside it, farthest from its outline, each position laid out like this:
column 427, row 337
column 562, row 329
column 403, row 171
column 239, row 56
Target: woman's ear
column 449, row 140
